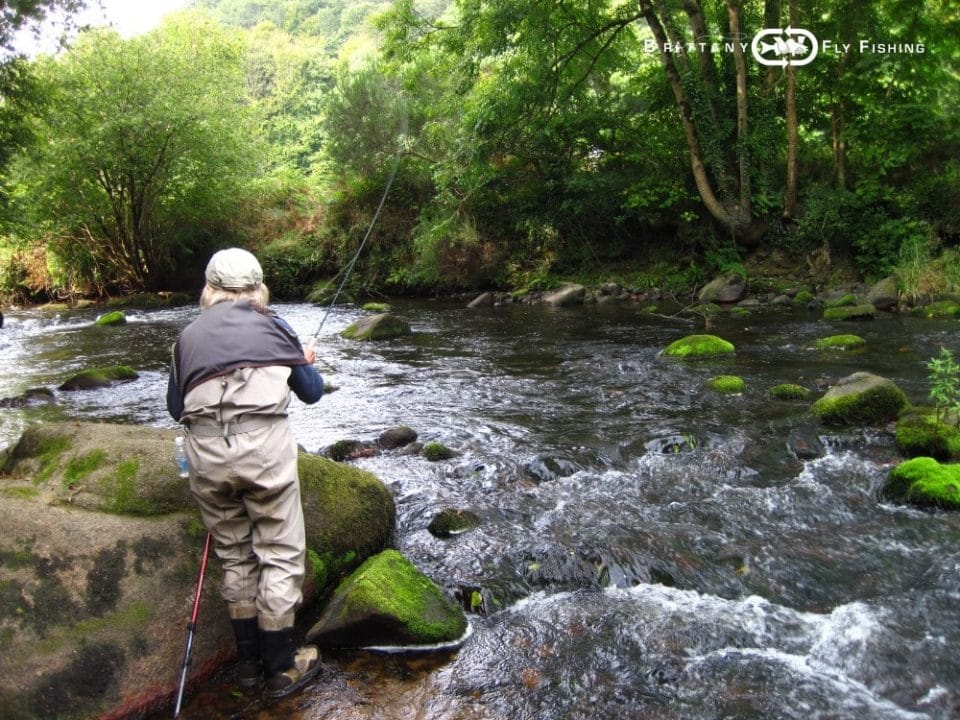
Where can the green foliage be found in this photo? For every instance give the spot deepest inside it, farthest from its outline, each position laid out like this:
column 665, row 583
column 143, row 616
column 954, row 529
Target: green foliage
column 144, row 149
column 944, row 376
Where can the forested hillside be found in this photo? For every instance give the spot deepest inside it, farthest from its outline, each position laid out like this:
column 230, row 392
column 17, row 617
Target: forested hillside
column 531, row 140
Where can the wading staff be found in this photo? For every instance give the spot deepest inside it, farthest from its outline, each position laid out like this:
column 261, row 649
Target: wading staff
column 192, row 628
column 356, row 255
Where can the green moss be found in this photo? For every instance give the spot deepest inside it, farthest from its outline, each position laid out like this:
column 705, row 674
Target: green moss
column 803, row 297
column 728, row 385
column 21, row 491
column 699, row 346
column 126, row 498
column 840, row 342
column 866, row 404
column 389, row 584
column 116, row 317
column 924, row 481
column 376, row 307
column 80, row 467
column 850, row 312
column 436, row 451
column 848, row 300
column 49, row 452
column 941, row 308
column 789, row 391
column 741, row 312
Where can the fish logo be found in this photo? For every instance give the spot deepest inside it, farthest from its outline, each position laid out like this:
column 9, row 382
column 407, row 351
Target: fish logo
column 788, row 46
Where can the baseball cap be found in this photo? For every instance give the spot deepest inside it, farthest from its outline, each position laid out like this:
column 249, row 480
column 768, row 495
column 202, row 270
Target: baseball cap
column 234, row 269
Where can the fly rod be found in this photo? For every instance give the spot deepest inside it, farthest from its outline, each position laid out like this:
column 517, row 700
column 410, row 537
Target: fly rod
column 356, row 256
column 192, row 629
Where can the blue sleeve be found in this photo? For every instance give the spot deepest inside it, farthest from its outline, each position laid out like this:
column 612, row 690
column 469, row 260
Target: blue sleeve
column 304, row 380
column 174, row 398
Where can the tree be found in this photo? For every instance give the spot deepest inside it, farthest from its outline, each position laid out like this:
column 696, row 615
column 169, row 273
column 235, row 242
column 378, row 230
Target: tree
column 145, row 149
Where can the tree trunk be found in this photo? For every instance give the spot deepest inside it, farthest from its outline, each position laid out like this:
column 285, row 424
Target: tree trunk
column 793, row 136
column 744, row 208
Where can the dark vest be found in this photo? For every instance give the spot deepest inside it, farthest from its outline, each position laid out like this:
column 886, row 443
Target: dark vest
column 231, row 335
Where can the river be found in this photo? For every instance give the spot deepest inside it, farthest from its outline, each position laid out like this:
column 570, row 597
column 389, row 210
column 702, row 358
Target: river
column 646, row 549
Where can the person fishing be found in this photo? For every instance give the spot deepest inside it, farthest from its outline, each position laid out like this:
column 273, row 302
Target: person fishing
column 230, row 379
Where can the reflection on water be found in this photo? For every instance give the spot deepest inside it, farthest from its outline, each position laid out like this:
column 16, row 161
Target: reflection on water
column 647, row 548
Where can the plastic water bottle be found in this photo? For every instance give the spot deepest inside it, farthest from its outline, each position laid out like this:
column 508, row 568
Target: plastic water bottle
column 180, row 455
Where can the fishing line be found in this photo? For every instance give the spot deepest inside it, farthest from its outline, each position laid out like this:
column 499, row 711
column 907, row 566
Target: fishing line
column 376, row 215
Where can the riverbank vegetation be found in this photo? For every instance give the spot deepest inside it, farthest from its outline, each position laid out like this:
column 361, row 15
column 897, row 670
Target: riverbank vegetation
column 642, row 142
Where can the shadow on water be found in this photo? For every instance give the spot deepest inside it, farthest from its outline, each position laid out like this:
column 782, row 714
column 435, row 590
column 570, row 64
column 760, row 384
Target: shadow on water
column 647, row 548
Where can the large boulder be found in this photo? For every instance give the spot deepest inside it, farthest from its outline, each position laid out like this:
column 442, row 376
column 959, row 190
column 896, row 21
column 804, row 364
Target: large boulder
column 99, row 557
column 388, row 602
column 885, row 295
column 729, row 288
column 860, row 399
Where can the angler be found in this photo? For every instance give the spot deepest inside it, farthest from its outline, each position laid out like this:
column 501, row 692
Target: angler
column 230, row 380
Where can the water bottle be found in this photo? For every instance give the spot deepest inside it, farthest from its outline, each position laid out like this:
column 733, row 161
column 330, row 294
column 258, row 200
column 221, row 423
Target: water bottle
column 180, row 455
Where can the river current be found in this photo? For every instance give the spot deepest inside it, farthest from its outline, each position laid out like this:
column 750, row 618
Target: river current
column 646, row 548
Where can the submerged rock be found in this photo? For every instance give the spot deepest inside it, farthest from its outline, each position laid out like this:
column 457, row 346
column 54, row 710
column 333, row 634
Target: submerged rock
column 448, row 523
column 727, row 384
column 850, row 312
column 114, row 317
column 860, row 399
column 566, row 296
column 840, row 342
column 100, row 378
column 383, row 326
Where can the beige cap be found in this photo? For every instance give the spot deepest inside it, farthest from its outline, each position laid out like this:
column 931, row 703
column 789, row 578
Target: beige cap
column 234, row 269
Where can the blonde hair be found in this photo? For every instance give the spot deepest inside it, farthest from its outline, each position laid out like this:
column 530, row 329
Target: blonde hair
column 258, row 296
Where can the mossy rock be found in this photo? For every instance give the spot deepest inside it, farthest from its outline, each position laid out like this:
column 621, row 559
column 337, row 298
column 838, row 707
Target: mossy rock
column 727, row 384
column 387, row 601
column 376, row 307
column 940, row 309
column 840, row 342
column 860, row 399
column 362, row 524
column 850, row 312
column 383, row 326
column 803, row 297
column 848, row 300
column 100, row 378
column 694, row 347
column 789, row 391
column 116, row 317
column 448, row 523
column 924, row 481
column 920, row 433
column 436, row 451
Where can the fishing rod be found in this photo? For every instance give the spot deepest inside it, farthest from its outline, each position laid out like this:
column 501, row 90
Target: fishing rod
column 356, row 256
column 192, row 629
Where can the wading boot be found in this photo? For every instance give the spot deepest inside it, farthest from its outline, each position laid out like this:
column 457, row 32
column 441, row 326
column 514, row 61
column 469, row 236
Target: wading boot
column 287, row 669
column 247, row 635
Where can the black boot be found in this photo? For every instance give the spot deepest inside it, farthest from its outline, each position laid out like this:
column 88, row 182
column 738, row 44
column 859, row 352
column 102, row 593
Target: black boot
column 287, row 669
column 247, row 635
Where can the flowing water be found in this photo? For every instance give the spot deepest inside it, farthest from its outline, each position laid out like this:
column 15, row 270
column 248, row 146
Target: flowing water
column 646, row 548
